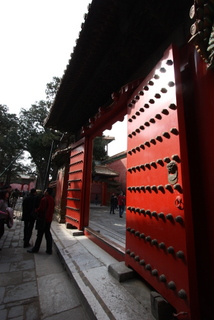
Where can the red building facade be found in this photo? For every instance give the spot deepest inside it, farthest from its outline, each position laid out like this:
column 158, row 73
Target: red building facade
column 118, row 163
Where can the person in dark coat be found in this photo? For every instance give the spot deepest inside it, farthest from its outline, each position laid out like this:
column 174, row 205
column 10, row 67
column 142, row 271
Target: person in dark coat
column 43, row 224
column 29, row 205
column 112, row 203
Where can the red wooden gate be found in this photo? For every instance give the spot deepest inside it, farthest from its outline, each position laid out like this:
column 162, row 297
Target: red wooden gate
column 159, row 237
column 75, row 185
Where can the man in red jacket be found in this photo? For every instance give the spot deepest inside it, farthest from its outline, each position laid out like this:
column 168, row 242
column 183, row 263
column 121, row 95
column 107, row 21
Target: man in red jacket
column 121, row 203
column 43, row 224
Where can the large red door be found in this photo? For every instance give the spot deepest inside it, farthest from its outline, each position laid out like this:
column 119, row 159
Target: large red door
column 159, row 236
column 76, row 173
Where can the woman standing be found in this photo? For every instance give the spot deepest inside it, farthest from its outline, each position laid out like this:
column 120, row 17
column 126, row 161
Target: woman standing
column 5, row 212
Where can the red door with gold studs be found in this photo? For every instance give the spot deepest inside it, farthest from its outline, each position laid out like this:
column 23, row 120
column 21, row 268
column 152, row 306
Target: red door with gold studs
column 159, row 233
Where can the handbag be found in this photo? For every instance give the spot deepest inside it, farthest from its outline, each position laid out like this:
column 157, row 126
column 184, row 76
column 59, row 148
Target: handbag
column 40, row 223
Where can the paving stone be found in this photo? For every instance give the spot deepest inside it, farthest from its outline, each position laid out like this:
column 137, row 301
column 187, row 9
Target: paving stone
column 3, row 314
column 21, row 292
column 2, row 306
column 4, row 267
column 89, row 261
column 50, row 262
column 6, row 245
column 10, row 278
column 14, row 244
column 76, row 313
column 10, row 256
column 16, row 311
column 32, row 311
column 2, row 291
column 112, row 294
column 29, row 275
column 22, row 265
column 55, row 295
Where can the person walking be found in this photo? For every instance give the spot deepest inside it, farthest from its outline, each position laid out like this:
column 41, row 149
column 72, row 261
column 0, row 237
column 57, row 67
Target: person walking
column 29, row 205
column 112, row 203
column 43, row 223
column 121, row 204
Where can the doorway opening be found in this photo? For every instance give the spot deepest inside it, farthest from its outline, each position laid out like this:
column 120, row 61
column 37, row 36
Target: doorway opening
column 108, row 178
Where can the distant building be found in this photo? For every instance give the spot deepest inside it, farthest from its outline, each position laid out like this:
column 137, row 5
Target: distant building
column 103, row 183
column 24, row 183
column 118, row 163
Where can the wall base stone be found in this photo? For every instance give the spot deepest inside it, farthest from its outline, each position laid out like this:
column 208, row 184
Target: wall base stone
column 160, row 308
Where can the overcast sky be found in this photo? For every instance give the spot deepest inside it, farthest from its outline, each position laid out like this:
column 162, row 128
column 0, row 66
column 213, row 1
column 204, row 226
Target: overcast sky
column 37, row 38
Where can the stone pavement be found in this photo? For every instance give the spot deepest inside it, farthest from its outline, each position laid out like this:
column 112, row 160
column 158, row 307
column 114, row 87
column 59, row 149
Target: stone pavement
column 109, row 225
column 89, row 265
column 36, row 286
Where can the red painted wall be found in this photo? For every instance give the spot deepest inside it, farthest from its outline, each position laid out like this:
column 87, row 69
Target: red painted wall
column 120, row 166
column 96, row 188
